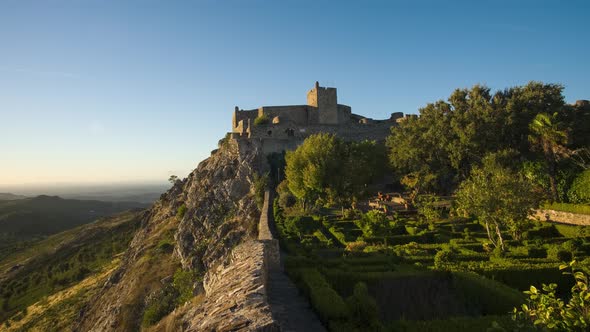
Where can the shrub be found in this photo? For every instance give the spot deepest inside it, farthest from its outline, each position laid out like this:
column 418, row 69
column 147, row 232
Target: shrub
column 159, row 304
column 373, row 223
column 444, row 257
column 485, row 296
column 338, row 235
column 543, row 232
column 427, row 208
column 544, row 310
column 184, row 283
column 535, row 252
column 301, row 225
column 580, row 190
column 180, row 212
column 351, row 214
column 363, row 309
column 261, row 120
column 260, row 184
column 286, row 198
column 356, row 246
column 564, row 255
column 328, row 304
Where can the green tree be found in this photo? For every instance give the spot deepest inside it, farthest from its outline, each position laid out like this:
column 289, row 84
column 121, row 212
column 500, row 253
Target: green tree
column 580, row 189
column 499, row 197
column 314, row 167
column 548, row 136
column 363, row 162
column 172, row 179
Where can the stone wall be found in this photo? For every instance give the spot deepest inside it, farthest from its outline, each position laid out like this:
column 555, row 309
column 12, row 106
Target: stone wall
column 236, row 294
column 563, row 217
column 297, row 114
column 237, row 290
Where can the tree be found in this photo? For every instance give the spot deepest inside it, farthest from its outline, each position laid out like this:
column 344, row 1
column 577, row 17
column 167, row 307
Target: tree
column 314, row 167
column 548, row 136
column 172, row 179
column 363, row 162
column 499, row 197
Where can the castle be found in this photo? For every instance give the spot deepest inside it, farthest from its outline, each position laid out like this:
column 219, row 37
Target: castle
column 280, row 128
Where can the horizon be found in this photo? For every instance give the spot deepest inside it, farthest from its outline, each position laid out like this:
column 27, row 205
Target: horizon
column 108, row 93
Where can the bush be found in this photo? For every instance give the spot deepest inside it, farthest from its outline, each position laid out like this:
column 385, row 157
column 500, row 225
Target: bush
column 484, row 296
column 286, row 199
column 373, row 223
column 181, row 211
column 427, row 208
column 350, row 214
column 363, row 309
column 543, row 232
column 158, row 305
column 536, row 252
column 444, row 257
column 261, row 120
column 301, row 225
column 260, row 184
column 580, row 190
column 184, row 283
column 327, row 303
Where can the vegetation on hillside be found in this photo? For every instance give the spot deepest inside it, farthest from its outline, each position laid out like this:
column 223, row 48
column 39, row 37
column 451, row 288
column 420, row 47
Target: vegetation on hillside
column 60, row 262
column 25, row 221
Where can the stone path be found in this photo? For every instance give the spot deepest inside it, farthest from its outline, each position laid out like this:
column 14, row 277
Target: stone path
column 289, row 308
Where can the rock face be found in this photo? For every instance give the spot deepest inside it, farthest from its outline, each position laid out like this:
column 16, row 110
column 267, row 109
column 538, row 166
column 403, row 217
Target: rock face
column 220, row 215
column 221, row 210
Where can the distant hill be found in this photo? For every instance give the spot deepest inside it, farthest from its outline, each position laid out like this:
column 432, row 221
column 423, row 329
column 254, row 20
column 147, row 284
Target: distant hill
column 139, row 197
column 10, row 197
column 45, row 215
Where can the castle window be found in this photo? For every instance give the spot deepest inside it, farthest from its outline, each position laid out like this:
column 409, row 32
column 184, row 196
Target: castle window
column 290, row 132
column 269, row 132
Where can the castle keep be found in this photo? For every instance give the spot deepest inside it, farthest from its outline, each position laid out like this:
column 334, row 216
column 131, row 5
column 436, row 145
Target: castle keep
column 280, row 128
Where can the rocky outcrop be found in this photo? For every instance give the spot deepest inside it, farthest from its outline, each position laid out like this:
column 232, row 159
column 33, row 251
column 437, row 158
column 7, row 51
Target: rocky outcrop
column 220, row 215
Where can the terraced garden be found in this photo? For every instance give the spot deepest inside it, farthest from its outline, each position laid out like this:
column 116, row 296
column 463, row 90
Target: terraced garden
column 401, row 272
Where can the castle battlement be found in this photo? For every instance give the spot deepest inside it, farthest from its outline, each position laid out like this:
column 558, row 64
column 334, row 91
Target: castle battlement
column 282, row 128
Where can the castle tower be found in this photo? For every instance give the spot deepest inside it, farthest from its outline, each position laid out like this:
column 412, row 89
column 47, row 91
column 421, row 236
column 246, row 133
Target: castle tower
column 326, row 101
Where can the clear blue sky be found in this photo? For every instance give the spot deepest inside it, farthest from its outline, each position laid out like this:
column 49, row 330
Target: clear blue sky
column 126, row 91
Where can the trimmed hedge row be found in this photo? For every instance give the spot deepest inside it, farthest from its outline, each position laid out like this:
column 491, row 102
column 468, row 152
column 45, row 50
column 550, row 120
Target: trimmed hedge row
column 485, row 296
column 325, row 301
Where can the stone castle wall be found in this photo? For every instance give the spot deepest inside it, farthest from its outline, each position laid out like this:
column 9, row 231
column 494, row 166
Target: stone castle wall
column 289, row 125
column 563, row 217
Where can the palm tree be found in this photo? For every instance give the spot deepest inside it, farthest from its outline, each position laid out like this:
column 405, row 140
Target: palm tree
column 547, row 136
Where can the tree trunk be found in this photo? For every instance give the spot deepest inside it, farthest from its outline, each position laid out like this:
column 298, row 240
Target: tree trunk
column 490, row 237
column 500, row 240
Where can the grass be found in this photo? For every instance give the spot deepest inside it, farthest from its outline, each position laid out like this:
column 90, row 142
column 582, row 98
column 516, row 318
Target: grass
column 566, row 207
column 62, row 261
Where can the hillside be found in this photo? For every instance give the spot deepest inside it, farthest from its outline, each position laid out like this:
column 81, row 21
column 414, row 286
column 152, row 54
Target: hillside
column 10, row 197
column 45, row 215
column 45, row 285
